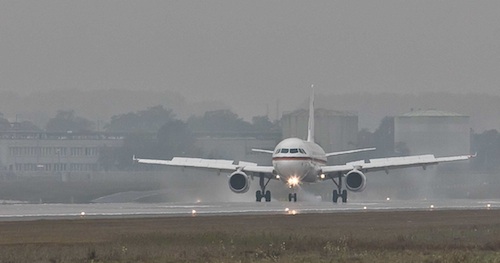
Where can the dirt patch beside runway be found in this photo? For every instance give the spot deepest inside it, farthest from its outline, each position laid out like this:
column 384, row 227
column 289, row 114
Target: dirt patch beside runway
column 432, row 236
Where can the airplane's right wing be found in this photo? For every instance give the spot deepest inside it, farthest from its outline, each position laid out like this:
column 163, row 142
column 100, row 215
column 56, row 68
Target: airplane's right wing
column 385, row 164
column 211, row 164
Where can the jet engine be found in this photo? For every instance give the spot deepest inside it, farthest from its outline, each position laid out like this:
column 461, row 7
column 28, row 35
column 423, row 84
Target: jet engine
column 355, row 181
column 238, row 182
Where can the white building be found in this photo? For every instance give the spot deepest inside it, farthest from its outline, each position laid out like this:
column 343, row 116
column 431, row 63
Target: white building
column 42, row 152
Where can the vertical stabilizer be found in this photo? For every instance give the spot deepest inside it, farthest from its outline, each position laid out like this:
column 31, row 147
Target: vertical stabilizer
column 310, row 128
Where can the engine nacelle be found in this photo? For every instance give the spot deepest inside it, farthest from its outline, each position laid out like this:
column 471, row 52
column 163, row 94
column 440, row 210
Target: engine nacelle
column 238, row 182
column 355, row 181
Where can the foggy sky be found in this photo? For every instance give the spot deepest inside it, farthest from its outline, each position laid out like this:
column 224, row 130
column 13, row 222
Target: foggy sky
column 250, row 53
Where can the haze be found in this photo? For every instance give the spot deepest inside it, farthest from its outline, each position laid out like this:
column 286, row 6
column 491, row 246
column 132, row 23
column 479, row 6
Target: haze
column 248, row 54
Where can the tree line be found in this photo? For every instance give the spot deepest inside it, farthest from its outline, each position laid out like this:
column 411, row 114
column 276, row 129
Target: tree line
column 156, row 133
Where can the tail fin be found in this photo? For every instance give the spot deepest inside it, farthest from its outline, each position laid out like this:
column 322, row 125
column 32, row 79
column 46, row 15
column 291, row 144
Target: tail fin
column 310, row 128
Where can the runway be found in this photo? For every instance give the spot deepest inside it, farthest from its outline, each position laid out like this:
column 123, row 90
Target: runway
column 16, row 212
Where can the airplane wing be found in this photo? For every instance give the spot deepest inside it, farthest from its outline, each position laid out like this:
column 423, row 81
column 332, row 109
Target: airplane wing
column 350, row 151
column 384, row 164
column 211, row 164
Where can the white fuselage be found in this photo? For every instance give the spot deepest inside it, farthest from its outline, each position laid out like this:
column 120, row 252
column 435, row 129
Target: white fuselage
column 296, row 159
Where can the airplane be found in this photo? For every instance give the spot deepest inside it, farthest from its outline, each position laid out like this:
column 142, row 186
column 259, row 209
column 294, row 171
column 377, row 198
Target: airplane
column 296, row 161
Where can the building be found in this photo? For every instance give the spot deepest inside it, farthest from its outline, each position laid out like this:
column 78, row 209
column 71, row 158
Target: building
column 334, row 130
column 432, row 131
column 44, row 152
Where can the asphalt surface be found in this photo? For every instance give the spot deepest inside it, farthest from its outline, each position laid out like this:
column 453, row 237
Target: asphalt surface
column 18, row 212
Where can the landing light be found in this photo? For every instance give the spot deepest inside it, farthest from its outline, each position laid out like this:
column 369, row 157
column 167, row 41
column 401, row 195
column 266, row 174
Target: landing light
column 82, row 213
column 193, row 212
column 432, row 206
column 488, row 205
column 388, row 199
column 278, row 176
column 322, row 176
column 293, row 181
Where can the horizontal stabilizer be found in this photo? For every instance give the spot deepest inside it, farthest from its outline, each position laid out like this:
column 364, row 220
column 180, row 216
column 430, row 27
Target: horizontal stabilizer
column 350, row 151
column 262, row 151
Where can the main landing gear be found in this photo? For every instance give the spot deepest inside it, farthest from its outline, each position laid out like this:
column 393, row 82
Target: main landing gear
column 339, row 192
column 262, row 193
column 292, row 197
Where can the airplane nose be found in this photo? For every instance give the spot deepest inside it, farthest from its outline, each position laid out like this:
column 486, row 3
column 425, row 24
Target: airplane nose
column 288, row 169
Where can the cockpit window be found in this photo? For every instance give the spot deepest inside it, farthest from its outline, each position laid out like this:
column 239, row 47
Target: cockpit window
column 278, row 151
column 294, row 150
column 284, row 150
column 302, row 151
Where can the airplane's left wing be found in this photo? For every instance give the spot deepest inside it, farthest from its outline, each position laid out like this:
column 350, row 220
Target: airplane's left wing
column 211, row 164
column 384, row 164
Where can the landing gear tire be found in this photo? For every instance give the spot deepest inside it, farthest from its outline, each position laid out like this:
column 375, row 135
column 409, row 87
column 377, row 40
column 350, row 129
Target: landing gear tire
column 262, row 193
column 292, row 197
column 268, row 196
column 344, row 196
column 258, row 196
column 337, row 180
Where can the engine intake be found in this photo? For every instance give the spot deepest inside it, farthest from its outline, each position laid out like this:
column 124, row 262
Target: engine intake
column 355, row 181
column 238, row 182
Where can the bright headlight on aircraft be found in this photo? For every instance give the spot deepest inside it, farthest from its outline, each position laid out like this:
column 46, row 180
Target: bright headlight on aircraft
column 322, row 176
column 278, row 176
column 293, row 181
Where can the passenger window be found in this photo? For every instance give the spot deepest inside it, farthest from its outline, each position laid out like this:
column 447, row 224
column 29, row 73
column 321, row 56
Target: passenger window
column 294, row 150
column 284, row 150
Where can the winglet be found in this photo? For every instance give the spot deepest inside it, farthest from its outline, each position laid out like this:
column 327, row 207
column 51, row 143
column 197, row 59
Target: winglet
column 310, row 128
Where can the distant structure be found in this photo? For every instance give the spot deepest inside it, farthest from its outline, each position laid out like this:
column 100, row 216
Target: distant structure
column 38, row 153
column 236, row 148
column 431, row 131
column 334, row 131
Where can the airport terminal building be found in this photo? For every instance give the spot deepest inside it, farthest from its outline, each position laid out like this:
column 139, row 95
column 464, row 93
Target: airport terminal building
column 24, row 153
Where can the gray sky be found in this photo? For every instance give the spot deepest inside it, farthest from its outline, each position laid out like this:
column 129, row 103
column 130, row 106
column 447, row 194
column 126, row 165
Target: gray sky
column 251, row 52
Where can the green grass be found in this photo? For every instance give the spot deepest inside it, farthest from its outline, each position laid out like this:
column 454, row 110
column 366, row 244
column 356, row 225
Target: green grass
column 427, row 236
